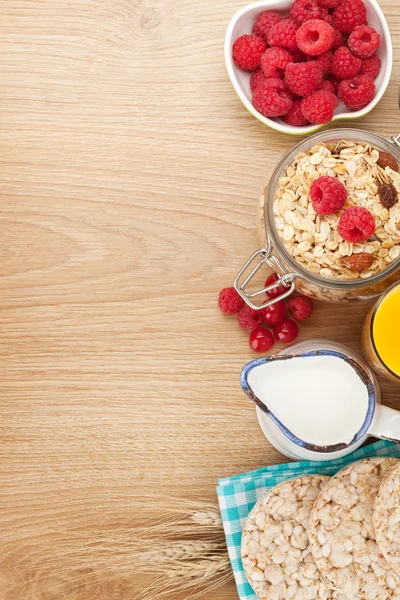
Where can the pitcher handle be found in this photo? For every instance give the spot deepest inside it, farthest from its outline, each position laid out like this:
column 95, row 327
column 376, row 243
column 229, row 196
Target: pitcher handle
column 386, row 424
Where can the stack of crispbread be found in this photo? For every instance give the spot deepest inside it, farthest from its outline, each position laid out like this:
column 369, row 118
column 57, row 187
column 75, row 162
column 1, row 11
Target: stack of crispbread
column 320, row 538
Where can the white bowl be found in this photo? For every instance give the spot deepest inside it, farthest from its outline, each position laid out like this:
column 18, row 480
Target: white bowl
column 242, row 23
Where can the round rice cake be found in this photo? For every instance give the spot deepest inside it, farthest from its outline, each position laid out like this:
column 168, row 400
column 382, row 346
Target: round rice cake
column 275, row 552
column 386, row 518
column 342, row 537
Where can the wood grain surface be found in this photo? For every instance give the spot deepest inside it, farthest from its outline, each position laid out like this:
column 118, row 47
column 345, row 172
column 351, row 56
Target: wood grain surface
column 129, row 178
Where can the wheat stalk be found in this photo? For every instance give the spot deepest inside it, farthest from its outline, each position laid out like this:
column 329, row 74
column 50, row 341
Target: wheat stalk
column 180, row 548
column 207, row 518
column 180, row 551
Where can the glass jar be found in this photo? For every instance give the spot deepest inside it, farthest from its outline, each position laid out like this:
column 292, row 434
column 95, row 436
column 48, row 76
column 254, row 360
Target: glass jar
column 291, row 273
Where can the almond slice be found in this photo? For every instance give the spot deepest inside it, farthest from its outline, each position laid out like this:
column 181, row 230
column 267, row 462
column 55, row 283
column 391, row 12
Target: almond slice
column 387, row 160
column 358, row 262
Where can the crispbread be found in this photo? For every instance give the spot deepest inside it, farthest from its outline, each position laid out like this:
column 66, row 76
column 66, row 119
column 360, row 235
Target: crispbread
column 341, row 533
column 275, row 553
column 386, row 518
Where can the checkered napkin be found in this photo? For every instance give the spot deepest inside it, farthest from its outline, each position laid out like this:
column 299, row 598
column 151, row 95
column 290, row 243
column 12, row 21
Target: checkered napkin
column 237, row 495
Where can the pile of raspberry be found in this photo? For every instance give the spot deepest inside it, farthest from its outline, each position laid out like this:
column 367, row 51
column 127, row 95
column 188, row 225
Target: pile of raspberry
column 284, row 329
column 303, row 63
column 328, row 196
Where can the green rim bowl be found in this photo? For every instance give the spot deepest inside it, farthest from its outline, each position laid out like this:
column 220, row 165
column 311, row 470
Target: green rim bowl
column 242, row 23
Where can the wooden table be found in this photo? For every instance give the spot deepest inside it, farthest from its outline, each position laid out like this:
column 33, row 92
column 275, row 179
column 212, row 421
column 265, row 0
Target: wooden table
column 129, row 180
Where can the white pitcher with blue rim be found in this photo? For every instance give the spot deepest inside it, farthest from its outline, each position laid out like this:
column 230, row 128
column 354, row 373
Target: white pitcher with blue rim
column 318, row 401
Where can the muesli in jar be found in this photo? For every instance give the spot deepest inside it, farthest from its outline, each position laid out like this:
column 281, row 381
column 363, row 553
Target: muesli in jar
column 337, row 210
column 343, row 257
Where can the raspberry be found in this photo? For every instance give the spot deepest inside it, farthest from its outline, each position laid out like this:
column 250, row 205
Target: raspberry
column 335, row 99
column 330, row 3
column 283, row 34
column 357, row 92
column 271, row 98
column 301, row 307
column 324, row 61
column 229, row 301
column 286, row 332
column 371, row 66
column 247, row 51
column 274, row 61
column 261, row 340
column 328, row 195
column 338, row 40
column 298, row 56
column 303, row 10
column 328, row 19
column 295, row 117
column 264, row 22
column 364, row 41
column 333, row 81
column 349, row 14
column 356, row 224
column 275, row 314
column 328, row 86
column 344, row 64
column 319, row 107
column 315, row 37
column 277, row 291
column 256, row 78
column 248, row 318
column 303, row 78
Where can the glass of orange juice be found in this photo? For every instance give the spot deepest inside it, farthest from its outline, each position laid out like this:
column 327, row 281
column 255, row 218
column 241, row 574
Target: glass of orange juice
column 381, row 334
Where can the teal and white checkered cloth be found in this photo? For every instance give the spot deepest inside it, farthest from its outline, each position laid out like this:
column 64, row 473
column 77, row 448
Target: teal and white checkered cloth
column 237, row 495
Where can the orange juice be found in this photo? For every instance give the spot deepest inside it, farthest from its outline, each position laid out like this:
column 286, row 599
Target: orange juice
column 386, row 330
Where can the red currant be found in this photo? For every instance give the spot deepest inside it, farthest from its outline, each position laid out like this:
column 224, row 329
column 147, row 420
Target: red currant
column 280, row 289
column 261, row 340
column 275, row 314
column 301, row 307
column 286, row 332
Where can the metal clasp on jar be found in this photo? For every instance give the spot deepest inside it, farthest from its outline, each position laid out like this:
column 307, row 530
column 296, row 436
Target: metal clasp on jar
column 396, row 138
column 261, row 257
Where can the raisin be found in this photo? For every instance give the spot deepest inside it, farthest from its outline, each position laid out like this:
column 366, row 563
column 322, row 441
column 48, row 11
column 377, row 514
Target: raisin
column 387, row 194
